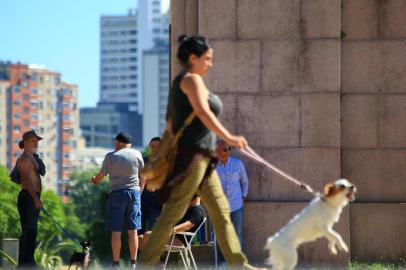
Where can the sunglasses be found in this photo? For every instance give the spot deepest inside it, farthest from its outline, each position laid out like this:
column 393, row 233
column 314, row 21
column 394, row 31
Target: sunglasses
column 227, row 149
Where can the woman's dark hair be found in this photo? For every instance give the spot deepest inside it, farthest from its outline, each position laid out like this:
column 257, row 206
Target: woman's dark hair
column 196, row 45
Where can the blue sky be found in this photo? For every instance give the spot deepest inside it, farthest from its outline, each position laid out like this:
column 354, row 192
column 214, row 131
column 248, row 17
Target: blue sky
column 63, row 35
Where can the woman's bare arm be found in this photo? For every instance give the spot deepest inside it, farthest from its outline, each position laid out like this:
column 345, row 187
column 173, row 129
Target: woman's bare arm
column 197, row 93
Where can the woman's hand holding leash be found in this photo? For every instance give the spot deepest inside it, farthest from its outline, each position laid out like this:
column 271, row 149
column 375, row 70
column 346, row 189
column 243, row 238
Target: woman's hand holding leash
column 238, row 142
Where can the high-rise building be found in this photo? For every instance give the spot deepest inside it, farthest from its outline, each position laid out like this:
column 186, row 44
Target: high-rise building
column 119, row 60
column 68, row 121
column 4, row 85
column 100, row 125
column 37, row 99
column 150, row 32
column 156, row 84
column 123, row 40
column 41, row 111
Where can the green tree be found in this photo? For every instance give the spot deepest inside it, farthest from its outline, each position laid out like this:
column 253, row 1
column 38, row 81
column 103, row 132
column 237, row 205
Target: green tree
column 52, row 242
column 90, row 206
column 9, row 218
column 86, row 196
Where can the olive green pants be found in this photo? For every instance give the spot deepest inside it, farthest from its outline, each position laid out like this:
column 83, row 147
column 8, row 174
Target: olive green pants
column 213, row 200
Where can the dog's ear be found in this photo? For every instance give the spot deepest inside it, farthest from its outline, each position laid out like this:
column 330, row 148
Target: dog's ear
column 328, row 189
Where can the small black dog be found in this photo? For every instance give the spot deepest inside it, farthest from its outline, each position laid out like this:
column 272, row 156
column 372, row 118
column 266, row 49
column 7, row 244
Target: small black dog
column 81, row 259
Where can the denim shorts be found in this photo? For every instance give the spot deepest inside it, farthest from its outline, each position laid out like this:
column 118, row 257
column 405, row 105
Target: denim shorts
column 124, row 208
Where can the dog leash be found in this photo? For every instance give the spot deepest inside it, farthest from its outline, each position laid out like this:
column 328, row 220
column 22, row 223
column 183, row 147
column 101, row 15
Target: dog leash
column 250, row 153
column 65, row 232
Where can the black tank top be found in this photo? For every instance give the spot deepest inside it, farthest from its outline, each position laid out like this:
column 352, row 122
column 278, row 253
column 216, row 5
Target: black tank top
column 196, row 135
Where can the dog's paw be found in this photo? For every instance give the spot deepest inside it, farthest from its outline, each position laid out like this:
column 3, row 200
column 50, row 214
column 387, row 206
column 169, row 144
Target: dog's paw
column 332, row 250
column 343, row 247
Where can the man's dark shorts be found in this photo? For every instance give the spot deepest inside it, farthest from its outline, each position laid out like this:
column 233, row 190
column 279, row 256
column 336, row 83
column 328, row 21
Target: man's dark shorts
column 124, row 208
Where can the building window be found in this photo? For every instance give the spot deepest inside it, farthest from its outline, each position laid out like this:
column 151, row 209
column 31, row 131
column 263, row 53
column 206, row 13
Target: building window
column 34, row 117
column 86, row 128
column 16, row 103
column 68, row 130
column 17, row 128
column 26, row 123
column 26, row 97
column 88, row 140
column 17, row 116
column 16, row 89
column 114, row 129
column 67, row 92
column 34, row 91
column 101, row 128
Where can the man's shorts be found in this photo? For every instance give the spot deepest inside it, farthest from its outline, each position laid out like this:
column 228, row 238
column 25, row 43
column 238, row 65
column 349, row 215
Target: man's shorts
column 124, row 208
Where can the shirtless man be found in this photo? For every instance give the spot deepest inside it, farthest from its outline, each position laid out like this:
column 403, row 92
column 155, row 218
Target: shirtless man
column 29, row 202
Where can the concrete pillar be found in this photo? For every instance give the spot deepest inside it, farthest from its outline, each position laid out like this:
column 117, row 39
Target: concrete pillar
column 318, row 87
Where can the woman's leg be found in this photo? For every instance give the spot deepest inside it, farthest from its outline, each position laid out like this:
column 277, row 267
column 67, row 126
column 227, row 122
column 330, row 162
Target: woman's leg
column 215, row 202
column 173, row 210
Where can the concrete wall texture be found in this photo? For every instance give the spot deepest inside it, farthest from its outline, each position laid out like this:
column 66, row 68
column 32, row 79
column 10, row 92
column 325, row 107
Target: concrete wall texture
column 319, row 89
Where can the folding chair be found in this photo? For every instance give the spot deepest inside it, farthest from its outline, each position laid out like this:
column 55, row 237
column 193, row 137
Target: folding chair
column 210, row 239
column 187, row 249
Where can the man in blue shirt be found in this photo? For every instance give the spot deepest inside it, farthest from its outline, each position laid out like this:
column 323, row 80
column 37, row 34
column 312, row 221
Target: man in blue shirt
column 234, row 180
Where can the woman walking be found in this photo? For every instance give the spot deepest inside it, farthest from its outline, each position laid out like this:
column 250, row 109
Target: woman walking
column 193, row 169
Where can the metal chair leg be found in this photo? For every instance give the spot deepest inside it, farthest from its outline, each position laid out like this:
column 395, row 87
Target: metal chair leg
column 169, row 252
column 189, row 249
column 184, row 260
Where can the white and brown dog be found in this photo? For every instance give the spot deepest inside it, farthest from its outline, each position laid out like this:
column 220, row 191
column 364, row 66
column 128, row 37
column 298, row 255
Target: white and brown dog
column 315, row 221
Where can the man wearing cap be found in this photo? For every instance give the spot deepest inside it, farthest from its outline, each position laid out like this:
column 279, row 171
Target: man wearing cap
column 124, row 202
column 29, row 167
